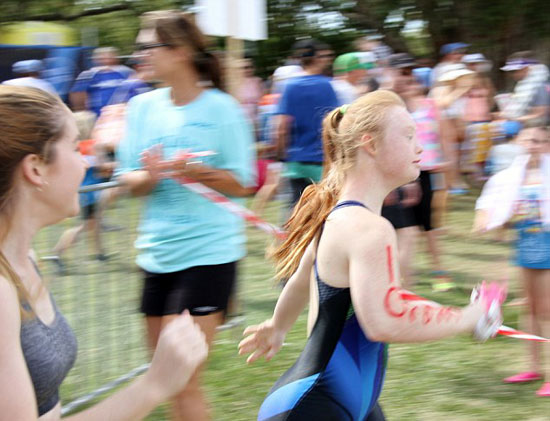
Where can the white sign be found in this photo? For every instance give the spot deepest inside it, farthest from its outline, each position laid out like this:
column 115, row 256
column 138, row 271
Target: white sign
column 241, row 19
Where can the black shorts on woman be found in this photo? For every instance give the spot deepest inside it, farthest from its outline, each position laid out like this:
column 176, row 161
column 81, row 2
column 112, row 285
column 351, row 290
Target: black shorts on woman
column 202, row 290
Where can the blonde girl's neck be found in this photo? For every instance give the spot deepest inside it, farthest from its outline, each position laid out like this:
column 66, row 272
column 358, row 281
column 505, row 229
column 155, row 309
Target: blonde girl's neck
column 363, row 184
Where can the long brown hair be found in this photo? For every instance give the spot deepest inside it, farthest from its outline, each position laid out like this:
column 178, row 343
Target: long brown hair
column 31, row 121
column 177, row 28
column 343, row 129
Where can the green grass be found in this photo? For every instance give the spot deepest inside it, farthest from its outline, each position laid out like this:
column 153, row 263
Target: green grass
column 455, row 379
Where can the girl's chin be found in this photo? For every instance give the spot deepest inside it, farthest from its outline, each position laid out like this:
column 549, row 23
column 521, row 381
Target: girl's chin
column 74, row 211
column 415, row 173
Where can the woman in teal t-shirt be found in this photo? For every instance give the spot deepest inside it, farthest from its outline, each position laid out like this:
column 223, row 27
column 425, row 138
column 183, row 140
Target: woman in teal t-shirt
column 188, row 246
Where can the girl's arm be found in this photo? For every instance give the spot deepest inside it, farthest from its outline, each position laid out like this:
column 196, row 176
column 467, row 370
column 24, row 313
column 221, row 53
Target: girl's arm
column 17, row 398
column 181, row 349
column 139, row 182
column 295, row 294
column 267, row 337
column 376, row 294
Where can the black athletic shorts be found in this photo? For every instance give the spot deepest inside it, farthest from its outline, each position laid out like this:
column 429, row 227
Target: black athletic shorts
column 423, row 210
column 88, row 211
column 200, row 289
column 399, row 215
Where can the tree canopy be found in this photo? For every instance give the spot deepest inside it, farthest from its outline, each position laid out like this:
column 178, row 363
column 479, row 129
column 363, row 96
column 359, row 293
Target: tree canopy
column 495, row 28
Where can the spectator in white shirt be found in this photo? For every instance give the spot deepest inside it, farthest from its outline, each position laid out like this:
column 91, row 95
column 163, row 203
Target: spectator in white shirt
column 29, row 76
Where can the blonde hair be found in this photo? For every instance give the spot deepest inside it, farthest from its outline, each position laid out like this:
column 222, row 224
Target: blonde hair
column 343, row 129
column 31, row 121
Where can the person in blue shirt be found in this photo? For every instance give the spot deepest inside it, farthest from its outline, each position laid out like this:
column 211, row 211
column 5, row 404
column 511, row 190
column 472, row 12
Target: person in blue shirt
column 94, row 88
column 303, row 105
column 188, row 247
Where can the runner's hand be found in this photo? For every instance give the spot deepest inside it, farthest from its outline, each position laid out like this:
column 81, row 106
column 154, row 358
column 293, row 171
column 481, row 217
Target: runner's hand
column 180, row 350
column 152, row 162
column 262, row 339
column 481, row 220
column 488, row 297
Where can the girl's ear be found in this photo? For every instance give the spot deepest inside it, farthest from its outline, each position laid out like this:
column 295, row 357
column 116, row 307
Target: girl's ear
column 369, row 144
column 34, row 170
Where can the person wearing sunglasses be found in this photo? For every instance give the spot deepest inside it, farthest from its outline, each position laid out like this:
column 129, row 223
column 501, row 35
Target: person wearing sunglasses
column 188, row 247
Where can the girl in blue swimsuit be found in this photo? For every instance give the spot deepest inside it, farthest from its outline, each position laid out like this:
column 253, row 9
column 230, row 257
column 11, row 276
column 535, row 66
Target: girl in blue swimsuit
column 340, row 255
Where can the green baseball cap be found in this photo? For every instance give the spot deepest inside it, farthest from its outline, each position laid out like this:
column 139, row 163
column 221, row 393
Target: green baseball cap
column 353, row 61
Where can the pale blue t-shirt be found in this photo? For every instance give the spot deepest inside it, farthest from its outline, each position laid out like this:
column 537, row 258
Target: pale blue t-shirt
column 180, row 229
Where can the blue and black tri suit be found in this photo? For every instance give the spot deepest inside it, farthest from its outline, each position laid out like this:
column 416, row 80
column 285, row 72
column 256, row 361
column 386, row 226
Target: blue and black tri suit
column 339, row 374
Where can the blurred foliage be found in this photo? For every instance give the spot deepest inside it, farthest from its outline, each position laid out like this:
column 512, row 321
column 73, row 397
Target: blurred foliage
column 495, row 28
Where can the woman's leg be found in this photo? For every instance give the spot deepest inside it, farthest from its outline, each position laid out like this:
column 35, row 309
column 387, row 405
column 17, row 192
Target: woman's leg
column 529, row 277
column 541, row 292
column 439, row 208
column 433, row 249
column 67, row 239
column 153, row 325
column 406, row 239
column 449, row 146
column 191, row 404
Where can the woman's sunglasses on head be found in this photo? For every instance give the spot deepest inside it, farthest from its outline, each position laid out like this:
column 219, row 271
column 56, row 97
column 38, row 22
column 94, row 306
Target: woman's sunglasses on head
column 150, row 46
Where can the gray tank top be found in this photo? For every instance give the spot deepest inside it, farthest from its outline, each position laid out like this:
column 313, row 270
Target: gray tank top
column 50, row 352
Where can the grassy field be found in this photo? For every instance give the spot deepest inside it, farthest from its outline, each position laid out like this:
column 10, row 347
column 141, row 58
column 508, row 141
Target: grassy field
column 455, row 379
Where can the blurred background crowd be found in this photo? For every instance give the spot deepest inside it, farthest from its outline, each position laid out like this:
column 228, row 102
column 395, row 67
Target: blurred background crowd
column 473, row 74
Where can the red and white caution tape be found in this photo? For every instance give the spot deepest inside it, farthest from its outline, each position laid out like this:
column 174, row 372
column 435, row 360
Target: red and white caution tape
column 232, row 207
column 518, row 334
column 503, row 330
column 221, row 200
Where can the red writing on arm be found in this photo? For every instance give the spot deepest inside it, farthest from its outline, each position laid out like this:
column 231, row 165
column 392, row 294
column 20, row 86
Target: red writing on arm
column 390, row 263
column 393, row 292
column 428, row 314
column 412, row 314
column 397, row 302
column 397, row 307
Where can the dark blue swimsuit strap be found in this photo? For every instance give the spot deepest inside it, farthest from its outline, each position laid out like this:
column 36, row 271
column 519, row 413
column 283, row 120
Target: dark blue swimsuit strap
column 340, row 205
column 347, row 203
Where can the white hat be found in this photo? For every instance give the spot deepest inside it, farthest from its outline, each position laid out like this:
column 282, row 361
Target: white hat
column 517, row 64
column 27, row 66
column 287, row 72
column 453, row 71
column 474, row 58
